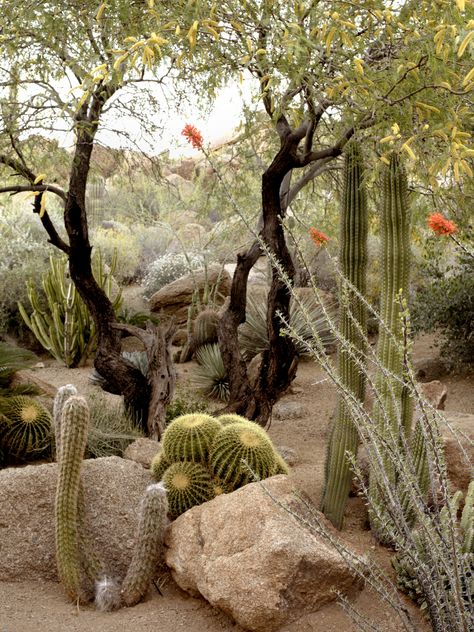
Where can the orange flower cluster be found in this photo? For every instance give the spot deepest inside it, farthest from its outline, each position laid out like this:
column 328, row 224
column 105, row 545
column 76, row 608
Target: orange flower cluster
column 440, row 225
column 319, row 238
column 193, row 136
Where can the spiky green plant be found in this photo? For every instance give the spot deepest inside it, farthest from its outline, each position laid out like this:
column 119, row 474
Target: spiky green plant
column 253, row 334
column 353, row 328
column 189, row 438
column 231, row 418
column 393, row 402
column 187, row 484
column 13, row 359
column 25, row 427
column 240, row 450
column 159, row 465
column 148, row 544
column 404, row 565
column 210, row 377
column 205, row 327
column 64, row 326
column 74, row 429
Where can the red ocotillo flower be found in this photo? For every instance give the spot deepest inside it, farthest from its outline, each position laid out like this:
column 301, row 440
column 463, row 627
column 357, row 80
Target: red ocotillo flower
column 319, row 238
column 193, row 136
column 440, row 225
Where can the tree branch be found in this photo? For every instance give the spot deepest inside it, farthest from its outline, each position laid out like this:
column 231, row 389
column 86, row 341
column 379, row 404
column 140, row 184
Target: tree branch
column 13, row 189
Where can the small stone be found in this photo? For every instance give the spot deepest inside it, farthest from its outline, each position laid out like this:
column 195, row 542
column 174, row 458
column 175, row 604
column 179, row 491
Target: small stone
column 435, row 393
column 142, row 451
column 288, row 410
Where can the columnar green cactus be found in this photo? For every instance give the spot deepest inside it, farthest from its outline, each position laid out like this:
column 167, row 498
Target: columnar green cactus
column 394, row 406
column 353, row 262
column 74, row 430
column 25, row 426
column 62, row 395
column 148, row 544
column 65, row 328
column 205, row 327
column 189, row 437
column 187, row 484
column 238, row 447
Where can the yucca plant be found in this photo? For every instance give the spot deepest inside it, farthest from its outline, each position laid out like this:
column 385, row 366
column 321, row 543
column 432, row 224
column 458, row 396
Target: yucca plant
column 210, row 377
column 253, row 335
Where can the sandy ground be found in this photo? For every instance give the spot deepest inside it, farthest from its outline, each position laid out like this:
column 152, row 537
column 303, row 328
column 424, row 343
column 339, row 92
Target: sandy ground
column 42, row 606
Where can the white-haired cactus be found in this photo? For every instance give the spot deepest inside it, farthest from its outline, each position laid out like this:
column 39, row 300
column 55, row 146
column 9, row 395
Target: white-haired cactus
column 148, row 545
column 353, row 326
column 73, row 440
column 62, row 395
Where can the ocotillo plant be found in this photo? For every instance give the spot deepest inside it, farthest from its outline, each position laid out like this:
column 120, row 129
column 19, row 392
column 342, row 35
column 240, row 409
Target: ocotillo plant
column 352, row 325
column 392, row 411
column 74, row 429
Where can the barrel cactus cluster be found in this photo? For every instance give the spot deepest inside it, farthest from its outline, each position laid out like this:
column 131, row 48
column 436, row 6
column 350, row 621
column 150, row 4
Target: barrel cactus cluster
column 25, row 427
column 203, row 457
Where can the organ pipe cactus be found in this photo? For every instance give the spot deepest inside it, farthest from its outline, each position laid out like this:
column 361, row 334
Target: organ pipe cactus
column 353, row 326
column 64, row 327
column 73, row 440
column 392, row 412
column 148, row 545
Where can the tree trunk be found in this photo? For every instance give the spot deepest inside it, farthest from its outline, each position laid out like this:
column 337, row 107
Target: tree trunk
column 279, row 363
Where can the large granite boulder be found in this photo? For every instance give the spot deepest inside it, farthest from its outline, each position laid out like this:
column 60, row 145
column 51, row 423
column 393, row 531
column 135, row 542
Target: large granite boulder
column 142, row 451
column 113, row 489
column 174, row 299
column 247, row 556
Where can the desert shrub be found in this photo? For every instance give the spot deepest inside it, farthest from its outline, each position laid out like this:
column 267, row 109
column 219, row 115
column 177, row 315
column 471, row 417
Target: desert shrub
column 253, row 335
column 210, row 377
column 24, row 256
column 168, row 268
column 153, row 242
column 118, row 241
column 111, row 428
column 446, row 304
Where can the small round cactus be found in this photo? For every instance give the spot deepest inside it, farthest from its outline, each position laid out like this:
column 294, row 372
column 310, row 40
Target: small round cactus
column 189, row 437
column 25, row 427
column 238, row 447
column 205, row 327
column 187, row 484
column 159, row 465
column 281, row 466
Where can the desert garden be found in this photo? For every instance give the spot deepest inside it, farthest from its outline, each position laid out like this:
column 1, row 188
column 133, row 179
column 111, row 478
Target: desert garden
column 236, row 385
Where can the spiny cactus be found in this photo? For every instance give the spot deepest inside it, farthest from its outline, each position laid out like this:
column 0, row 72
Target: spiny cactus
column 189, row 438
column 187, row 484
column 408, row 576
column 238, row 447
column 65, row 329
column 62, row 395
column 231, row 418
column 25, row 426
column 353, row 262
column 394, row 412
column 281, row 466
column 148, row 544
column 73, row 440
column 159, row 465
column 205, row 327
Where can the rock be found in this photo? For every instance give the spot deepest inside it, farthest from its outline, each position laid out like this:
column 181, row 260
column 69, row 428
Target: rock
column 175, row 298
column 435, row 392
column 113, row 489
column 289, row 455
column 460, row 473
column 250, row 558
column 428, row 368
column 142, row 451
column 288, row 410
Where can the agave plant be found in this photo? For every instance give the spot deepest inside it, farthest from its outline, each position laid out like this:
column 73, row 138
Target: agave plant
column 210, row 377
column 304, row 319
column 14, row 359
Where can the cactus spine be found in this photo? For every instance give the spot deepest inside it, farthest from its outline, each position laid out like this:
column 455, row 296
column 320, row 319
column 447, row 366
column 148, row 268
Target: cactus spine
column 73, row 440
column 205, row 327
column 62, row 395
column 353, row 263
column 148, row 546
column 187, row 484
column 392, row 414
